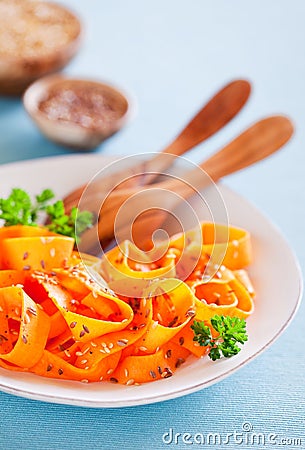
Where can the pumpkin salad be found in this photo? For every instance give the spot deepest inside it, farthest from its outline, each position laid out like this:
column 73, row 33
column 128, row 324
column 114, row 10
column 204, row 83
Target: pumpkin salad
column 63, row 314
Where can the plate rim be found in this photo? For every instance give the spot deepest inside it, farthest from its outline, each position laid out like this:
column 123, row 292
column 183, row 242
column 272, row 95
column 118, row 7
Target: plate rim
column 149, row 399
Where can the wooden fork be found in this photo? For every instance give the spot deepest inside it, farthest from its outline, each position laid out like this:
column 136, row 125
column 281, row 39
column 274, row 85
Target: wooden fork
column 254, row 144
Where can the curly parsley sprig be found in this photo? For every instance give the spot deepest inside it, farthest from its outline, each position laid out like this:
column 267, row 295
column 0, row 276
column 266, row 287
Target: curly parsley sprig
column 19, row 209
column 231, row 332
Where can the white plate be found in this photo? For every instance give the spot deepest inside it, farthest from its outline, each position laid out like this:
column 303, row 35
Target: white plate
column 275, row 274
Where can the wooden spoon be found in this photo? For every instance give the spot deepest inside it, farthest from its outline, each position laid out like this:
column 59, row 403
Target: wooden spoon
column 220, row 109
column 254, row 144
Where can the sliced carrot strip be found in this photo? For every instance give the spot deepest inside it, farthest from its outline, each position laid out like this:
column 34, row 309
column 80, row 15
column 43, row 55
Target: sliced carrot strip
column 52, row 366
column 11, row 277
column 131, row 264
column 34, row 327
column 17, row 231
column 173, row 307
column 141, row 369
column 229, row 246
column 26, row 253
column 84, row 328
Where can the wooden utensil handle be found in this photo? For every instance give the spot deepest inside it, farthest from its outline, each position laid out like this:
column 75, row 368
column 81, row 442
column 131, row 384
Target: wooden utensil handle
column 219, row 110
column 254, row 144
column 216, row 113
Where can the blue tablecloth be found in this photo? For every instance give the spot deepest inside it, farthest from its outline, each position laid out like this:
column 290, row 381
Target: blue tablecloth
column 173, row 55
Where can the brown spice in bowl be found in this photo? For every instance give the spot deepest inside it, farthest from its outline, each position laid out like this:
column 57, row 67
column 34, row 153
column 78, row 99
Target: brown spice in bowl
column 88, row 105
column 30, row 28
column 36, row 38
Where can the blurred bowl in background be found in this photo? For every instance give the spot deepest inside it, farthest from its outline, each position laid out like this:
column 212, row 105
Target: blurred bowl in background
column 36, row 38
column 77, row 113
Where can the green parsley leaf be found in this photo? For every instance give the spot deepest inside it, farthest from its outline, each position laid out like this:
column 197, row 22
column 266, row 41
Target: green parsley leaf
column 202, row 333
column 72, row 225
column 18, row 209
column 44, row 197
column 231, row 332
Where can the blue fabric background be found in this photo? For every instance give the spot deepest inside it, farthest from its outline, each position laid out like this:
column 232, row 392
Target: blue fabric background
column 172, row 55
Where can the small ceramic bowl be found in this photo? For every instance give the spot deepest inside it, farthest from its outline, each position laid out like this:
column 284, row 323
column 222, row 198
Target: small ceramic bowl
column 36, row 38
column 77, row 113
